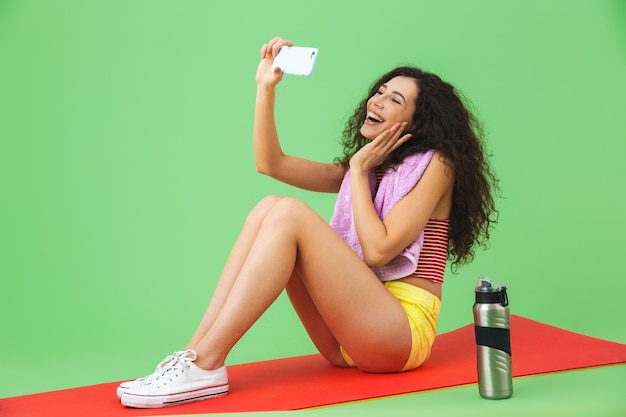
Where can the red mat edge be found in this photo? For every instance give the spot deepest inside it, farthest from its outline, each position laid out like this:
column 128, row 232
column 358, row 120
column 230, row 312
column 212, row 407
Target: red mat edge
column 618, row 359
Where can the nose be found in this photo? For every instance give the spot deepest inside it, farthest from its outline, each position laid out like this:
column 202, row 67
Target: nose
column 377, row 101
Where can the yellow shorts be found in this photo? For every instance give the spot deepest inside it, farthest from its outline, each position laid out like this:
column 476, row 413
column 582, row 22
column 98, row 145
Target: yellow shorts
column 422, row 309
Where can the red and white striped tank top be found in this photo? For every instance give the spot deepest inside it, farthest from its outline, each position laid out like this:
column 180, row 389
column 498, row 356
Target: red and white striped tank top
column 432, row 261
column 434, row 254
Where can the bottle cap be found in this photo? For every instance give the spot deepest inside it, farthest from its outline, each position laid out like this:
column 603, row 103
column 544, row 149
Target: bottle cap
column 486, row 293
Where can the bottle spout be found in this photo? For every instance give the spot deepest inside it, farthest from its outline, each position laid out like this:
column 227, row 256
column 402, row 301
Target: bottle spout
column 484, row 285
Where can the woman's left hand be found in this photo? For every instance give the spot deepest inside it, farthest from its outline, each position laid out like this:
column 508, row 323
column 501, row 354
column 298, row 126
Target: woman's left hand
column 375, row 152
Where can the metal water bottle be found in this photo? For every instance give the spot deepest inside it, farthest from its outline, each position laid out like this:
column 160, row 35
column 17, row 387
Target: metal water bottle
column 493, row 340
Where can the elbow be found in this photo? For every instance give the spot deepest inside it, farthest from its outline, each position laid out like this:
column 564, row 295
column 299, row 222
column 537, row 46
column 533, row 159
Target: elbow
column 268, row 165
column 374, row 264
column 264, row 168
column 261, row 169
column 376, row 259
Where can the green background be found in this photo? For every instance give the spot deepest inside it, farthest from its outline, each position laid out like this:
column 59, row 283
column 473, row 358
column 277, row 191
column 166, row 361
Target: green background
column 126, row 170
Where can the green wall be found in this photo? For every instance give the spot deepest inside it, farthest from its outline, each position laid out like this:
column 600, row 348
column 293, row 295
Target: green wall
column 126, row 164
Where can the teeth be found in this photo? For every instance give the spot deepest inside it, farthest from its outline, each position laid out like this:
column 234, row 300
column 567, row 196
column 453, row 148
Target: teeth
column 374, row 117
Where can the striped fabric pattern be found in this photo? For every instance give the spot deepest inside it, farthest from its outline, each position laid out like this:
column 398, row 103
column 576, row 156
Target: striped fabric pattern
column 432, row 261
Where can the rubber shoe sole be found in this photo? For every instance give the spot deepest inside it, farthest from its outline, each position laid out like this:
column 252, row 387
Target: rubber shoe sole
column 169, row 400
column 128, row 385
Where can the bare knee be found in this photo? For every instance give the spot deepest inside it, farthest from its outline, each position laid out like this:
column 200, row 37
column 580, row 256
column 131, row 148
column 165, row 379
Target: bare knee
column 258, row 213
column 288, row 211
column 290, row 204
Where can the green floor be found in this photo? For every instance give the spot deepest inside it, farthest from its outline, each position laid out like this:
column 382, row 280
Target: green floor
column 595, row 392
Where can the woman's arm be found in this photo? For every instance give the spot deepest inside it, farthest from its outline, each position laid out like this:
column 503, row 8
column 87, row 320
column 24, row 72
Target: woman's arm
column 431, row 198
column 382, row 240
column 268, row 154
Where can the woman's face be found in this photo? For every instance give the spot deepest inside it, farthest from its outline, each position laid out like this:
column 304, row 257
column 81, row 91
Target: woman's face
column 394, row 102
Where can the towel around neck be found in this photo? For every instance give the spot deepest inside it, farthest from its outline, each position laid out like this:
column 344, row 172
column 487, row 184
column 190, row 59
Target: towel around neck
column 395, row 184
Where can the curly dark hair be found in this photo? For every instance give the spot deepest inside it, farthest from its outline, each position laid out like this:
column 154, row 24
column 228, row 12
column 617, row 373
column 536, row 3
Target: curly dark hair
column 442, row 122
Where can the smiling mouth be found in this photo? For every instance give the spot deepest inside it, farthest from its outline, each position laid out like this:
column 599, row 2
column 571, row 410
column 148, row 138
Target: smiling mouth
column 374, row 118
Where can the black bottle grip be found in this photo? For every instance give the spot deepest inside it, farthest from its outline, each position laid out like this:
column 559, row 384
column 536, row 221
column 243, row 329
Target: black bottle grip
column 494, row 337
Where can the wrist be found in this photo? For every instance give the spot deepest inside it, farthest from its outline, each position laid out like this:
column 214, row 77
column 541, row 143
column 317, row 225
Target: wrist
column 357, row 170
column 266, row 92
column 266, row 86
column 356, row 165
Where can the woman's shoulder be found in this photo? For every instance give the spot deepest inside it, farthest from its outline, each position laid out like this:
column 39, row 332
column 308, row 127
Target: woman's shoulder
column 416, row 164
column 431, row 156
column 419, row 158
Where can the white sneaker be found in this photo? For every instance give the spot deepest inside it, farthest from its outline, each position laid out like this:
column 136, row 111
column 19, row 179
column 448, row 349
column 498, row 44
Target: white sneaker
column 125, row 386
column 180, row 381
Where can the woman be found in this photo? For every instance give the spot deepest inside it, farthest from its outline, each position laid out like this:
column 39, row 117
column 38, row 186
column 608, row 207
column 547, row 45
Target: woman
column 414, row 190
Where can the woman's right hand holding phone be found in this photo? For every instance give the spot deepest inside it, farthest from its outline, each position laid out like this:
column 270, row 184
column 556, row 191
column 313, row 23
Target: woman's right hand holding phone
column 265, row 73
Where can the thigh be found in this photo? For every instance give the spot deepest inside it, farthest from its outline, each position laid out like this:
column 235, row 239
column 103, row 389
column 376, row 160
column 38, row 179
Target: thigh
column 315, row 326
column 354, row 306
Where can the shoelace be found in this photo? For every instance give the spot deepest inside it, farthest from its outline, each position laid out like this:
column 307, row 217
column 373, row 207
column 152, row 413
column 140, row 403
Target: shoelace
column 173, row 368
column 162, row 367
column 169, row 358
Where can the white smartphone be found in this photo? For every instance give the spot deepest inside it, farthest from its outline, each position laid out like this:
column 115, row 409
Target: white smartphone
column 296, row 60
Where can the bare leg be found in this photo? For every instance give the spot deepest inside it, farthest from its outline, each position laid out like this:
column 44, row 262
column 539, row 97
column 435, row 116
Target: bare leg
column 344, row 303
column 233, row 266
column 313, row 321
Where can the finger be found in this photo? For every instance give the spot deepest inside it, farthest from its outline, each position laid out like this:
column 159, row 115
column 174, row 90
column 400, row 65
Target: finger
column 279, row 44
column 271, row 49
column 399, row 128
column 263, row 51
column 271, row 45
column 276, row 47
column 400, row 141
column 391, row 139
column 396, row 132
column 390, row 134
column 273, row 41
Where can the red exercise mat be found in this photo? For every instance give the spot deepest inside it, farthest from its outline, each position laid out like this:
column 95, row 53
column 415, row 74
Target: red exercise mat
column 309, row 381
